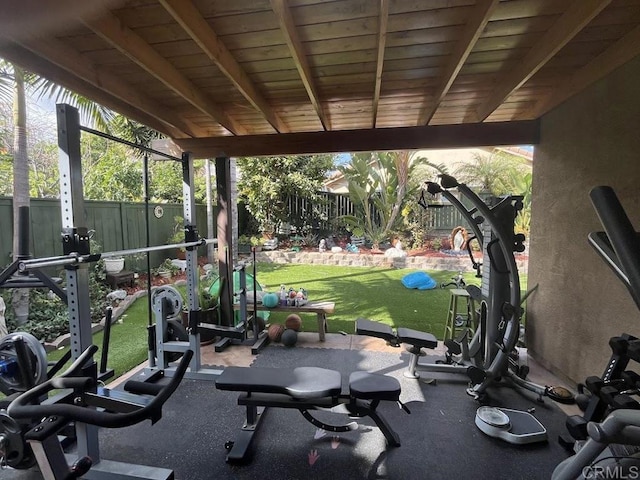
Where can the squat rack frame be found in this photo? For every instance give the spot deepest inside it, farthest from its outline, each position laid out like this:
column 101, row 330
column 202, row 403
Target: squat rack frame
column 75, row 259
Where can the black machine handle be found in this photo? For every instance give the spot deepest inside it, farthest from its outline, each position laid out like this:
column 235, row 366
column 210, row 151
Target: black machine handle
column 621, row 234
column 21, row 407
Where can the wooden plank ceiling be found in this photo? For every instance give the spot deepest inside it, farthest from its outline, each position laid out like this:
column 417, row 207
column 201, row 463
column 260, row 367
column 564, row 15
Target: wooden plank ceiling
column 260, row 77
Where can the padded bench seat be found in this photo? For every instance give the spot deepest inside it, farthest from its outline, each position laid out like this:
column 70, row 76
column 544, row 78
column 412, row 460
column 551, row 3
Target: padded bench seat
column 417, row 338
column 372, row 386
column 300, row 383
column 403, row 335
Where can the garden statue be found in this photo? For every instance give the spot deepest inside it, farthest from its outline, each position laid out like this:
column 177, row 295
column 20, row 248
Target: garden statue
column 351, row 248
column 323, row 246
column 396, row 251
column 458, row 238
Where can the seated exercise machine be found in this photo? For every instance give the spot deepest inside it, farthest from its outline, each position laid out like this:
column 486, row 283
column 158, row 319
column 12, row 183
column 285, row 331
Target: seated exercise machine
column 79, row 402
column 307, row 389
column 611, row 422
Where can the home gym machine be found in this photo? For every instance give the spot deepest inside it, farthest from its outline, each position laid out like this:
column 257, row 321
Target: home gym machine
column 163, row 348
column 612, row 446
column 486, row 355
column 145, row 398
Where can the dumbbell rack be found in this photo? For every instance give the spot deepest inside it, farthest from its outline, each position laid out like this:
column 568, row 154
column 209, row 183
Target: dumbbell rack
column 613, row 390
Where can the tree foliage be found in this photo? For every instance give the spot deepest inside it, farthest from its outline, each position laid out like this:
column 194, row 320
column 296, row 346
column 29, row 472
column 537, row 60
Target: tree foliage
column 493, row 173
column 265, row 182
column 379, row 185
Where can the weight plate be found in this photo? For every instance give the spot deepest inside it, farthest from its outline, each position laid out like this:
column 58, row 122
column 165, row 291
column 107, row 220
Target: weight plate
column 17, row 452
column 171, row 297
column 11, row 381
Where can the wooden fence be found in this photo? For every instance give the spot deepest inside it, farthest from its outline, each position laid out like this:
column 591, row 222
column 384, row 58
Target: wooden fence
column 121, row 225
column 322, row 213
column 117, row 225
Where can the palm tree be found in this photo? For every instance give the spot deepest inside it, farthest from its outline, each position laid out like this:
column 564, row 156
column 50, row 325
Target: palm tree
column 491, row 173
column 13, row 83
column 379, row 184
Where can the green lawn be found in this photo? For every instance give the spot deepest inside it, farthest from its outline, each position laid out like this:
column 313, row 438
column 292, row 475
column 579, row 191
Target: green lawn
column 374, row 293
column 128, row 345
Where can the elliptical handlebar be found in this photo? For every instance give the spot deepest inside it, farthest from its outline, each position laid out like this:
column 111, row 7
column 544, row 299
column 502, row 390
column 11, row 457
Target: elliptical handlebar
column 21, row 407
column 621, row 235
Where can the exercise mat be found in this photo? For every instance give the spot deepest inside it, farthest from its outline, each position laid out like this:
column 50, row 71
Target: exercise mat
column 439, row 437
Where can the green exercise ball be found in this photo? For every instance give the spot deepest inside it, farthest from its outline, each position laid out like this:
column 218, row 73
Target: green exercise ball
column 289, row 337
column 270, row 300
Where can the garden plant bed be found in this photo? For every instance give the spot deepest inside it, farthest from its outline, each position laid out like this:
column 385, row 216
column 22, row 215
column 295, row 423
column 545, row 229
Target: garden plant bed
column 418, row 260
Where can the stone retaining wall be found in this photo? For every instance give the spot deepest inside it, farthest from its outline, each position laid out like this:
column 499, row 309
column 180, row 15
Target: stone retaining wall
column 452, row 263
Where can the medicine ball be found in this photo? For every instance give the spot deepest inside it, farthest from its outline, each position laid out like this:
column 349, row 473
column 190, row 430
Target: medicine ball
column 270, row 300
column 294, row 322
column 289, row 337
column 275, row 332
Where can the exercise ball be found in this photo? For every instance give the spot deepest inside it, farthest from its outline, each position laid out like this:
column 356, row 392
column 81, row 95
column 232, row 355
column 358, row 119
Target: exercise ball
column 294, row 322
column 289, row 337
column 275, row 332
column 270, row 300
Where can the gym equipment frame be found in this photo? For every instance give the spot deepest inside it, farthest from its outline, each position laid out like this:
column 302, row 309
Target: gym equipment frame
column 75, row 258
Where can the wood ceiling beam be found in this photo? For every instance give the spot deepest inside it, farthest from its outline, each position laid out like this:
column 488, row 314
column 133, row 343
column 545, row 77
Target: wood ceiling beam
column 571, row 22
column 465, row 43
column 111, row 29
column 621, row 52
column 382, row 40
column 101, row 78
column 33, row 62
column 380, row 139
column 192, row 21
column 288, row 28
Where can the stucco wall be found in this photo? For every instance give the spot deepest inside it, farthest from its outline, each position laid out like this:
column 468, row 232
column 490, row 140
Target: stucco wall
column 592, row 139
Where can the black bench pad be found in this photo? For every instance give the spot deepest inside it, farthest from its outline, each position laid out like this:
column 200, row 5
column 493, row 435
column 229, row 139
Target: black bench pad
column 375, row 329
column 417, row 338
column 373, row 386
column 299, row 383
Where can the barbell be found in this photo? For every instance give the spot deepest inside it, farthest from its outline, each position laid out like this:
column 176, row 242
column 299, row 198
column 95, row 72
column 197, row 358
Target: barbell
column 75, row 259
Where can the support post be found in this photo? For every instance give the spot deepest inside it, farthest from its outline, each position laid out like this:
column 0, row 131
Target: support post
column 225, row 240
column 76, row 239
column 191, row 234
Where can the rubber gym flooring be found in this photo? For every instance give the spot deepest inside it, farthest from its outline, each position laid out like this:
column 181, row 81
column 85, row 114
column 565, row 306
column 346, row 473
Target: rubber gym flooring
column 439, row 438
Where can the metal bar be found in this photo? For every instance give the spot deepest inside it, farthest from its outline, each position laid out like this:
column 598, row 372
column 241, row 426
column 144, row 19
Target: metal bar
column 105, row 340
column 73, row 219
column 130, row 144
column 75, row 259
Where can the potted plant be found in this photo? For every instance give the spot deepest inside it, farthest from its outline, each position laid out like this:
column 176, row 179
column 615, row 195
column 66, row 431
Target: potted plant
column 113, row 264
column 244, row 244
column 208, row 304
column 256, row 242
column 167, row 269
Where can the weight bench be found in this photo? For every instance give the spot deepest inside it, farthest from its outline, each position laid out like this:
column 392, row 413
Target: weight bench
column 306, row 389
column 418, row 340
